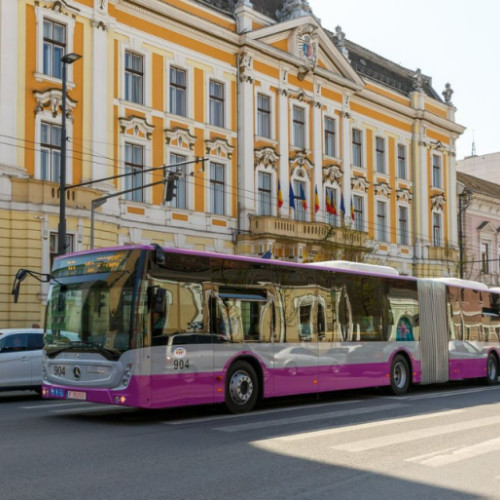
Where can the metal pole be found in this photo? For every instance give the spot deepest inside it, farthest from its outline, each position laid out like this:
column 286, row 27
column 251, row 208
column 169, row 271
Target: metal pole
column 460, row 239
column 61, row 236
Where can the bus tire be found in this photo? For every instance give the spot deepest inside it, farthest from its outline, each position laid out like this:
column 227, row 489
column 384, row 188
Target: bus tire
column 491, row 370
column 242, row 387
column 400, row 375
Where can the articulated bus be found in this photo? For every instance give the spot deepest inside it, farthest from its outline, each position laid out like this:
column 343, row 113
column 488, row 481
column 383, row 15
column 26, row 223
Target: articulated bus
column 149, row 327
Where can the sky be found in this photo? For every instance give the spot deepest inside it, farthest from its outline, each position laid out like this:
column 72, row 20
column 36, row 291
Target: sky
column 455, row 41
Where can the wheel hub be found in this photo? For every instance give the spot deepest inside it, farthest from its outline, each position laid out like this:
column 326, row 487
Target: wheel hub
column 240, row 388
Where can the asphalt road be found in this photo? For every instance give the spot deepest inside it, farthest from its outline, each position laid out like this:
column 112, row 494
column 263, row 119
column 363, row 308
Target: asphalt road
column 440, row 442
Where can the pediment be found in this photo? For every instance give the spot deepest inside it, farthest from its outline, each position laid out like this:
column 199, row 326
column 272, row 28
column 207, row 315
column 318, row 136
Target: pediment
column 305, row 41
column 486, row 227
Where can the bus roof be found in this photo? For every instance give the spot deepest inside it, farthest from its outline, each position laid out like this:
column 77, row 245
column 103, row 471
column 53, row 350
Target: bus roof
column 357, row 266
column 476, row 285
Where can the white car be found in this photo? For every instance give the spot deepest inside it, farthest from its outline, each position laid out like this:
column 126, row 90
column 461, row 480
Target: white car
column 21, row 359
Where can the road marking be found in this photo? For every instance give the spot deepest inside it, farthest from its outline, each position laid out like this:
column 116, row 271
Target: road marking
column 256, row 413
column 443, row 394
column 308, row 418
column 452, row 455
column 53, row 405
column 368, row 425
column 407, row 436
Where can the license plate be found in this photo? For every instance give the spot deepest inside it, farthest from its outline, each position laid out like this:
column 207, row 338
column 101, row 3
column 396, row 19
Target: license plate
column 82, row 396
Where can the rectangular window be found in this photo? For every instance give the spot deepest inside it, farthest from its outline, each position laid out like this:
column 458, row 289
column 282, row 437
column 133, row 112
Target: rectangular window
column 331, row 204
column 216, row 103
column 180, row 198
column 54, row 47
column 403, row 226
column 53, row 246
column 436, row 171
column 381, row 229
column 50, row 152
column 357, row 145
column 265, row 194
column 436, row 230
column 402, row 173
column 380, row 154
column 263, row 116
column 134, row 78
column 299, row 127
column 177, row 91
column 134, row 165
column 217, row 189
column 485, row 258
column 330, row 149
column 299, row 189
column 359, row 221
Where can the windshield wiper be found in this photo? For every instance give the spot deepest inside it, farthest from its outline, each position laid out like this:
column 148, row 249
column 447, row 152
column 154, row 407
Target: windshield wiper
column 110, row 354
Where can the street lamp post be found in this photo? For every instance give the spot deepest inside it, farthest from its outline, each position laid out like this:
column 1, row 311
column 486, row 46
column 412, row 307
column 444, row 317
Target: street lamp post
column 464, row 196
column 61, row 236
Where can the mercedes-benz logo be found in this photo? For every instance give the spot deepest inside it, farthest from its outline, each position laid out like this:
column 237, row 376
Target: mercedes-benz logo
column 76, row 372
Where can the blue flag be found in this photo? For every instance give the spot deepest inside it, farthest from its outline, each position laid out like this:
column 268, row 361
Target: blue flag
column 292, row 197
column 342, row 206
column 267, row 255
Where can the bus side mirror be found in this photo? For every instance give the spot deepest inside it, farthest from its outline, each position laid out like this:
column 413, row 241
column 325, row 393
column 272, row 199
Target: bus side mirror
column 20, row 276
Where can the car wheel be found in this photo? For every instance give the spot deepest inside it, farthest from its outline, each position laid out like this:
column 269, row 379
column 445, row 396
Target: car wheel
column 242, row 387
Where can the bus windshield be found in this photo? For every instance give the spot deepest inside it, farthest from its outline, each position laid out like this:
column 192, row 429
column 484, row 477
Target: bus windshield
column 90, row 303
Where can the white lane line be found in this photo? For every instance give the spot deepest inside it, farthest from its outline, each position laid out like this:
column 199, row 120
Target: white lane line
column 452, row 455
column 257, row 413
column 368, row 425
column 308, row 418
column 405, row 437
column 52, row 405
column 411, row 397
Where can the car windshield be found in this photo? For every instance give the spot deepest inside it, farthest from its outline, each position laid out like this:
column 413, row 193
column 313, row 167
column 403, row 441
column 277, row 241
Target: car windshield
column 89, row 310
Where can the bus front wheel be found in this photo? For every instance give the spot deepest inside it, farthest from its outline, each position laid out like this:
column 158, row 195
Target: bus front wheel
column 400, row 375
column 242, row 387
column 492, row 370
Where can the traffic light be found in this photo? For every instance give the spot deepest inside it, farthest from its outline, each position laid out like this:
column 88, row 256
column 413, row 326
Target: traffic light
column 170, row 193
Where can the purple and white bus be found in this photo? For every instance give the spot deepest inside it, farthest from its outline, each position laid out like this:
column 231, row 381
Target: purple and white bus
column 149, row 327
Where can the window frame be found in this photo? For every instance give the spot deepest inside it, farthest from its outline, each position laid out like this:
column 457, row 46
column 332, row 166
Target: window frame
column 359, row 212
column 129, row 182
column 216, row 104
column 264, row 194
column 437, row 230
column 128, row 91
column 357, row 147
column 51, row 148
column 180, row 200
column 55, row 63
column 298, row 127
column 403, row 226
column 217, row 196
column 330, row 137
column 380, row 155
column 264, row 116
column 437, row 171
column 381, row 217
column 177, row 89
column 402, row 161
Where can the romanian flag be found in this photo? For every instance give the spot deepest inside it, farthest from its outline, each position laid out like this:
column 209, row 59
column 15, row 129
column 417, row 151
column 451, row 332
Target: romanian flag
column 303, row 196
column 342, row 206
column 353, row 215
column 280, row 195
column 316, row 199
column 292, row 197
column 329, row 209
column 332, row 204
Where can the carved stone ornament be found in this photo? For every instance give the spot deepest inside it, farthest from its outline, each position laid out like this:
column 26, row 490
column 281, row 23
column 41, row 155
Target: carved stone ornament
column 437, row 202
column 382, row 189
column 332, row 173
column 293, row 9
column 404, row 195
column 219, row 147
column 340, row 42
column 447, row 93
column 300, row 160
column 300, row 172
column 306, row 38
column 61, row 6
column 180, row 137
column 359, row 184
column 136, row 126
column 266, row 157
column 245, row 67
column 101, row 5
column 418, row 80
column 52, row 99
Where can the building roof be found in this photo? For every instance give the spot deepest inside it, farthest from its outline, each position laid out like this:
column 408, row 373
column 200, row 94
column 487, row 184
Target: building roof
column 479, row 186
column 366, row 63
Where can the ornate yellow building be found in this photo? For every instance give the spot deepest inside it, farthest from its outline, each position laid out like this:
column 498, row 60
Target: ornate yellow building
column 310, row 147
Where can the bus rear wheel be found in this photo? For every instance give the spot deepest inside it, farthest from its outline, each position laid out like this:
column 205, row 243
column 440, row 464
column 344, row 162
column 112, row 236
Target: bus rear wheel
column 491, row 370
column 242, row 387
column 400, row 375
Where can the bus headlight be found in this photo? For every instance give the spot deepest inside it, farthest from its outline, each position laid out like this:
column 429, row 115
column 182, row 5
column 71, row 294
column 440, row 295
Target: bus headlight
column 127, row 375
